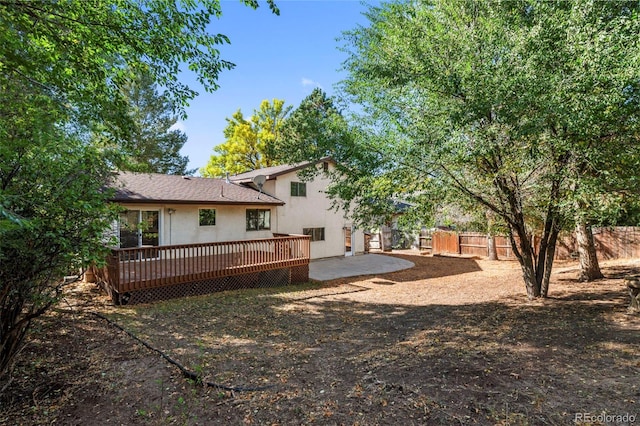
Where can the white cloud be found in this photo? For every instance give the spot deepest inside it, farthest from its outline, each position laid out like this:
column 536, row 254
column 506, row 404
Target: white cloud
column 308, row 82
column 178, row 125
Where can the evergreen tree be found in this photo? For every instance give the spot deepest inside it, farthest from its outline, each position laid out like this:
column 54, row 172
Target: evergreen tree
column 153, row 145
column 62, row 67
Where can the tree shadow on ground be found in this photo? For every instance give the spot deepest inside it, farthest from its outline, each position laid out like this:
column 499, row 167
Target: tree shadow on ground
column 334, row 358
column 542, row 361
column 429, row 267
column 478, row 363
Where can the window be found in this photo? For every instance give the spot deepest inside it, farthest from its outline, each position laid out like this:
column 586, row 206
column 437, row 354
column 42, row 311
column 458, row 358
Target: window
column 325, row 167
column 258, row 219
column 207, row 217
column 317, row 234
column 298, row 189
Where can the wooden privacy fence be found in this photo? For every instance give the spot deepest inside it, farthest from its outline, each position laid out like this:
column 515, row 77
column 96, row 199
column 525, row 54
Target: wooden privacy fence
column 468, row 243
column 619, row 242
column 131, row 270
column 611, row 243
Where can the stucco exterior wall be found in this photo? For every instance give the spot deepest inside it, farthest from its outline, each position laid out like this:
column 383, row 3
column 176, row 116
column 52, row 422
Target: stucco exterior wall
column 313, row 211
column 182, row 226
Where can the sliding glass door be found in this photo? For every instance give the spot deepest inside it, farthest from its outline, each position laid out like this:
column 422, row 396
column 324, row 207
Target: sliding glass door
column 139, row 228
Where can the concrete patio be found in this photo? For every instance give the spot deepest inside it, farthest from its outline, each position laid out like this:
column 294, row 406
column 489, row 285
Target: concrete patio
column 352, row 266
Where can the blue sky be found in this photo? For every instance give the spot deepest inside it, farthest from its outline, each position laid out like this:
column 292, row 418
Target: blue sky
column 282, row 57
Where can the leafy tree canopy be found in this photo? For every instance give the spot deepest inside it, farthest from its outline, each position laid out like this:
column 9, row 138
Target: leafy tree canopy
column 53, row 210
column 250, row 142
column 312, row 130
column 81, row 53
column 317, row 129
column 513, row 106
column 63, row 65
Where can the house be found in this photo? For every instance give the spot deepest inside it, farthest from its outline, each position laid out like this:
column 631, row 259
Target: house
column 168, row 210
column 306, row 209
column 188, row 235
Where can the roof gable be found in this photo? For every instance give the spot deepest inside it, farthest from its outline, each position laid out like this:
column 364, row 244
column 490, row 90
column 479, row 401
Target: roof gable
column 273, row 172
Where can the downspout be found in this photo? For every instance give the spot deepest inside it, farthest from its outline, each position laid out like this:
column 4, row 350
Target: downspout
column 171, row 212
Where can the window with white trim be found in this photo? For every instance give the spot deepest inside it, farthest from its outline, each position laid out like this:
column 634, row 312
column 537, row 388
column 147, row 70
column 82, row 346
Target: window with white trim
column 298, row 189
column 139, row 228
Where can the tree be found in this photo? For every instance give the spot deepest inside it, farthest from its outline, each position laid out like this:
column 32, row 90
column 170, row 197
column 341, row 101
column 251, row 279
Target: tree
column 62, row 68
column 316, row 129
column 311, row 130
column 153, row 145
column 81, row 53
column 587, row 256
column 249, row 141
column 603, row 193
column 54, row 211
column 501, row 103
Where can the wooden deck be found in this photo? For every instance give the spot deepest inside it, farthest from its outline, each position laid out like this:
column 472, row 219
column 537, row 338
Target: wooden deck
column 141, row 268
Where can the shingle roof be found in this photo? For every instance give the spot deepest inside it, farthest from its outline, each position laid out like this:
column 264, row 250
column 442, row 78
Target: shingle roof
column 154, row 188
column 273, row 172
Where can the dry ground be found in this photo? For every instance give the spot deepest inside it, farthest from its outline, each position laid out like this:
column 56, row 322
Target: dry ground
column 451, row 341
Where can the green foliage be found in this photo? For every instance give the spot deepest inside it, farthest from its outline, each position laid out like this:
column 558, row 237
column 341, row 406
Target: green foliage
column 317, row 130
column 517, row 107
column 80, row 53
column 152, row 146
column 63, row 65
column 250, row 142
column 627, row 213
column 313, row 130
column 54, row 208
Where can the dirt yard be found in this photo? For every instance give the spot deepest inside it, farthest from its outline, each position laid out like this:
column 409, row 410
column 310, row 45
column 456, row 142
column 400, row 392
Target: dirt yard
column 451, row 341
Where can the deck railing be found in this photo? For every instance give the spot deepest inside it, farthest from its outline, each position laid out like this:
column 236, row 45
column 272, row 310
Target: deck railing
column 131, row 269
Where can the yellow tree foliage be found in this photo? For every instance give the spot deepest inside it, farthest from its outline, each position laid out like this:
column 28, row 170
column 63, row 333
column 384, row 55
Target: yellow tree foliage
column 250, row 141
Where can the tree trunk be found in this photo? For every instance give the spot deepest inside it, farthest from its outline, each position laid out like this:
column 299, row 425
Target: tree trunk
column 633, row 284
column 525, row 254
column 492, row 252
column 548, row 260
column 386, row 238
column 536, row 267
column 491, row 247
column 530, row 281
column 589, row 266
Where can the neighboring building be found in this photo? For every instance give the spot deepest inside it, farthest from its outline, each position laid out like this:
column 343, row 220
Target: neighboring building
column 390, row 236
column 168, row 210
column 307, row 209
